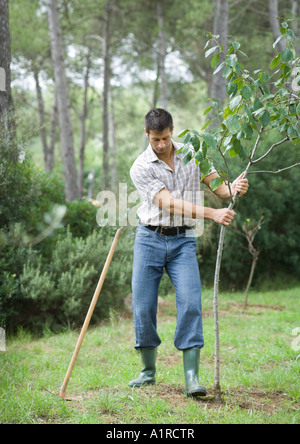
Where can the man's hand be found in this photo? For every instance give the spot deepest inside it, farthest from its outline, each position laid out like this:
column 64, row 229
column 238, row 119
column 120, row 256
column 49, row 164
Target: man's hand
column 240, row 185
column 223, row 216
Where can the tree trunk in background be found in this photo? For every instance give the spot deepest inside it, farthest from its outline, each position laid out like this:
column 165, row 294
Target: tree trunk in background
column 274, row 23
column 41, row 110
column 83, row 126
column 295, row 9
column 6, row 101
column 253, row 267
column 221, row 16
column 162, row 56
column 63, row 102
column 105, row 99
column 113, row 146
column 53, row 127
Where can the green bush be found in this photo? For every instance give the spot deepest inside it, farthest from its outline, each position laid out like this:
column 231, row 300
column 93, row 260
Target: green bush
column 50, row 264
column 274, row 196
column 58, row 294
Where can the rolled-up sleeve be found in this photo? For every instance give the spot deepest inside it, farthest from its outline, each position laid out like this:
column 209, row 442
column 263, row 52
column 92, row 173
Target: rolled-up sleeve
column 145, row 181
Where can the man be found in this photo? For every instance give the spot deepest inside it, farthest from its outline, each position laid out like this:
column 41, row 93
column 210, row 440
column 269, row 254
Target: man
column 162, row 180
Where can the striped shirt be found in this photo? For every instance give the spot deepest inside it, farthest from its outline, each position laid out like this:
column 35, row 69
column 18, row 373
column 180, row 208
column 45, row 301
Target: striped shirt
column 150, row 175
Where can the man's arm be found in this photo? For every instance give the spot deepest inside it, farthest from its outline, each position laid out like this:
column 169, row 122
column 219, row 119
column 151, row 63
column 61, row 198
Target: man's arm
column 165, row 200
column 240, row 185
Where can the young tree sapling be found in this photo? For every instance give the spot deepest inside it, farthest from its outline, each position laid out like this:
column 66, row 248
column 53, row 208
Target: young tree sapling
column 259, row 104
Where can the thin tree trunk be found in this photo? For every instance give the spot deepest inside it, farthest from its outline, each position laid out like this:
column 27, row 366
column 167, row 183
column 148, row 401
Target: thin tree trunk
column 6, row 100
column 274, row 23
column 113, row 145
column 221, row 17
column 217, row 388
column 63, row 102
column 253, row 267
column 41, row 110
column 53, row 127
column 295, row 25
column 83, row 127
column 162, row 56
column 106, row 87
column 155, row 94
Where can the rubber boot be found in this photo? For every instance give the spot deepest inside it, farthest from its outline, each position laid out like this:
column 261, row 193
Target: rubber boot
column 191, row 360
column 147, row 375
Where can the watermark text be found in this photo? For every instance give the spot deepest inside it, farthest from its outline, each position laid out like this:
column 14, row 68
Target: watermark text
column 125, row 209
column 2, row 340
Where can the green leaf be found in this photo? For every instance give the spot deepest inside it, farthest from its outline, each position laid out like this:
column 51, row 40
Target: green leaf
column 233, row 61
column 264, row 76
column 227, row 72
column 208, row 110
column 183, row 133
column 210, row 51
column 287, row 55
column 199, row 156
column 233, row 153
column 215, row 60
column 187, row 138
column 298, row 110
column 185, row 149
column 187, row 158
column 219, row 68
column 265, row 119
column 236, row 147
column 275, row 62
column 248, row 131
column 216, row 183
column 257, row 104
column 227, row 141
column 291, row 34
column 259, row 111
column 277, row 41
column 293, row 132
column 236, row 45
column 235, row 102
column 195, row 142
column 210, row 140
column 232, row 89
column 233, row 124
column 246, row 92
column 283, row 92
column 206, row 125
column 243, row 153
column 204, row 167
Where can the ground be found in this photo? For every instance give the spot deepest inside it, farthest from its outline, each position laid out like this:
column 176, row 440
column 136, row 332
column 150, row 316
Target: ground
column 260, row 370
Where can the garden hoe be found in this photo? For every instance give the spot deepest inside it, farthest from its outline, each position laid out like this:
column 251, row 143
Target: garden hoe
column 85, row 326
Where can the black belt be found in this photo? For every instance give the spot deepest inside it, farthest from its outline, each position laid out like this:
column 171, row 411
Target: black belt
column 172, row 231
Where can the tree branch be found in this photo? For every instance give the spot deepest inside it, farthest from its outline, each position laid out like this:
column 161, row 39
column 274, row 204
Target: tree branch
column 270, row 150
column 275, row 172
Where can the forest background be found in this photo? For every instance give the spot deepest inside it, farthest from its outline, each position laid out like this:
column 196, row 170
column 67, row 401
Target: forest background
column 80, row 78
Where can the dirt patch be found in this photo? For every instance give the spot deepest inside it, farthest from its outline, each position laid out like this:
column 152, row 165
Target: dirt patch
column 239, row 307
column 267, row 402
column 254, row 399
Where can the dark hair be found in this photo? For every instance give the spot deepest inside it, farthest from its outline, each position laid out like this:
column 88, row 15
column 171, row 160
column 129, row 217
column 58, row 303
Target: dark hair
column 158, row 120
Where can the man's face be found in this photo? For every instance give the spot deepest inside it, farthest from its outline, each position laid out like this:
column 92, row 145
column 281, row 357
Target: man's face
column 160, row 142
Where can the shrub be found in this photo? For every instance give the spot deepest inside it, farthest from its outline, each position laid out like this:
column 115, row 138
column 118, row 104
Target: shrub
column 59, row 293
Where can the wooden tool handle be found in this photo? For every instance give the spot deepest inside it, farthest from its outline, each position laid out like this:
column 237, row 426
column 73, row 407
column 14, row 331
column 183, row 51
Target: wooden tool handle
column 63, row 389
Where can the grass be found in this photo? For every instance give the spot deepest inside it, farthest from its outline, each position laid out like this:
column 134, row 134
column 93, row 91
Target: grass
column 260, row 371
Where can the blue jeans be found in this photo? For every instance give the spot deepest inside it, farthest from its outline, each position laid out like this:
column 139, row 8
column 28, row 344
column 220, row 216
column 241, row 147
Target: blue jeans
column 153, row 252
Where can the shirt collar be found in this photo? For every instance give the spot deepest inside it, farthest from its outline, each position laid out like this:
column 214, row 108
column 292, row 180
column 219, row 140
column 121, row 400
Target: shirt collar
column 152, row 157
